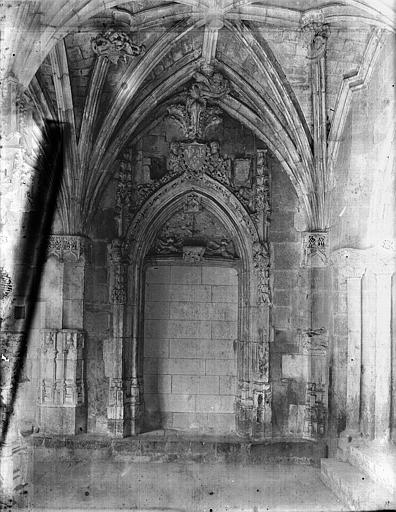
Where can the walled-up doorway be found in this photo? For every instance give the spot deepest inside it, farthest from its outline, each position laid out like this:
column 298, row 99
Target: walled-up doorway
column 190, row 333
column 195, row 362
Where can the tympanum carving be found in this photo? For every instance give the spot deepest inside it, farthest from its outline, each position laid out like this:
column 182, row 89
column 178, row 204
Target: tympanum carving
column 194, row 233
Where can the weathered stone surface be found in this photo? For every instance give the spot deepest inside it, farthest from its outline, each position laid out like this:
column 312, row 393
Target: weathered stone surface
column 295, row 367
column 193, row 350
column 293, row 93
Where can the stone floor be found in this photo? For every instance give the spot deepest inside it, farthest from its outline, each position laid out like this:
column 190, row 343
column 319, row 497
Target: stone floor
column 185, row 486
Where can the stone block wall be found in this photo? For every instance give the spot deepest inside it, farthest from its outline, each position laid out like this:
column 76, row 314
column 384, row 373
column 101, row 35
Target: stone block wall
column 289, row 369
column 189, row 360
column 97, row 326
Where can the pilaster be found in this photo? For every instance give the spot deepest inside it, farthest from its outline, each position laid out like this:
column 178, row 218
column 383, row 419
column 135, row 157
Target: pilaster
column 367, row 275
column 254, row 402
column 125, row 404
column 62, row 389
column 61, row 394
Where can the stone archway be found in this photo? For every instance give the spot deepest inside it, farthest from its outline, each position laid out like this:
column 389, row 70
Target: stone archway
column 253, row 397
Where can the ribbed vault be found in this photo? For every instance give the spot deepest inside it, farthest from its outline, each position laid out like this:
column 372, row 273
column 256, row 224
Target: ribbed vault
column 264, row 102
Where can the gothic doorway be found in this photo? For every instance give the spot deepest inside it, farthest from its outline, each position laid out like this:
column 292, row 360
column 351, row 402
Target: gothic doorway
column 194, row 225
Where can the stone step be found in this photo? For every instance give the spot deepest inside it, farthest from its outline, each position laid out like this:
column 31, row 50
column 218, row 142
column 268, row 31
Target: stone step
column 173, row 448
column 378, row 462
column 354, row 487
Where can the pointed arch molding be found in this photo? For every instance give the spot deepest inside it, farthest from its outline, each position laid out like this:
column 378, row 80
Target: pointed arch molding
column 161, row 205
column 253, row 396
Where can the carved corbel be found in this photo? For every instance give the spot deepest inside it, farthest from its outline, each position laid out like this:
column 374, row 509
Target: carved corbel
column 316, row 31
column 115, row 46
column 70, row 248
column 315, row 249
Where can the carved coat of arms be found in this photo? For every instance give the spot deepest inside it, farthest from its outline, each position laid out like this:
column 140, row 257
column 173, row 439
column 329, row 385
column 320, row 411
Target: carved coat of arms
column 195, row 155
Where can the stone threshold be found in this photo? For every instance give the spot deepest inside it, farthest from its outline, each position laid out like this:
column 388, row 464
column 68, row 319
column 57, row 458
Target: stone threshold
column 172, row 446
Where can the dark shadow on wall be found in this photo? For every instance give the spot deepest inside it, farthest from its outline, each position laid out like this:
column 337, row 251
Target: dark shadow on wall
column 31, row 249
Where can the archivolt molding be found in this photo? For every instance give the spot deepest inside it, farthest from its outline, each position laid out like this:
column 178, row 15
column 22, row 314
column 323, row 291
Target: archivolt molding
column 144, row 226
column 253, row 400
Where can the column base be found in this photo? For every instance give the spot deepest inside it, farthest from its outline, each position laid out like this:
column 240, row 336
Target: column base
column 116, row 427
column 248, row 426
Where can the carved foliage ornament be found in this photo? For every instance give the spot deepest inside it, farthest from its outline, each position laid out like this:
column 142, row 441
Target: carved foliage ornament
column 194, row 232
column 156, row 200
column 315, row 249
column 261, row 263
column 68, row 247
column 317, row 34
column 195, row 117
column 124, row 187
column 194, row 161
column 116, row 46
column 118, row 256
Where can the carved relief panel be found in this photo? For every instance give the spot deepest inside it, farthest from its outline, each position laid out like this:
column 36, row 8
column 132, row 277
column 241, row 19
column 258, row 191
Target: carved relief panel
column 194, row 233
column 62, row 368
column 61, row 394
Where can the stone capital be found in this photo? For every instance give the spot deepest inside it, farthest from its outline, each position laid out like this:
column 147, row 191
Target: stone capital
column 71, row 248
column 349, row 262
column 352, row 262
column 316, row 32
column 315, row 249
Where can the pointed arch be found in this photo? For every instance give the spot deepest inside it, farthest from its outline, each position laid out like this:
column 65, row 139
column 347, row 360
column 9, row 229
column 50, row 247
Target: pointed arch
column 141, row 234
